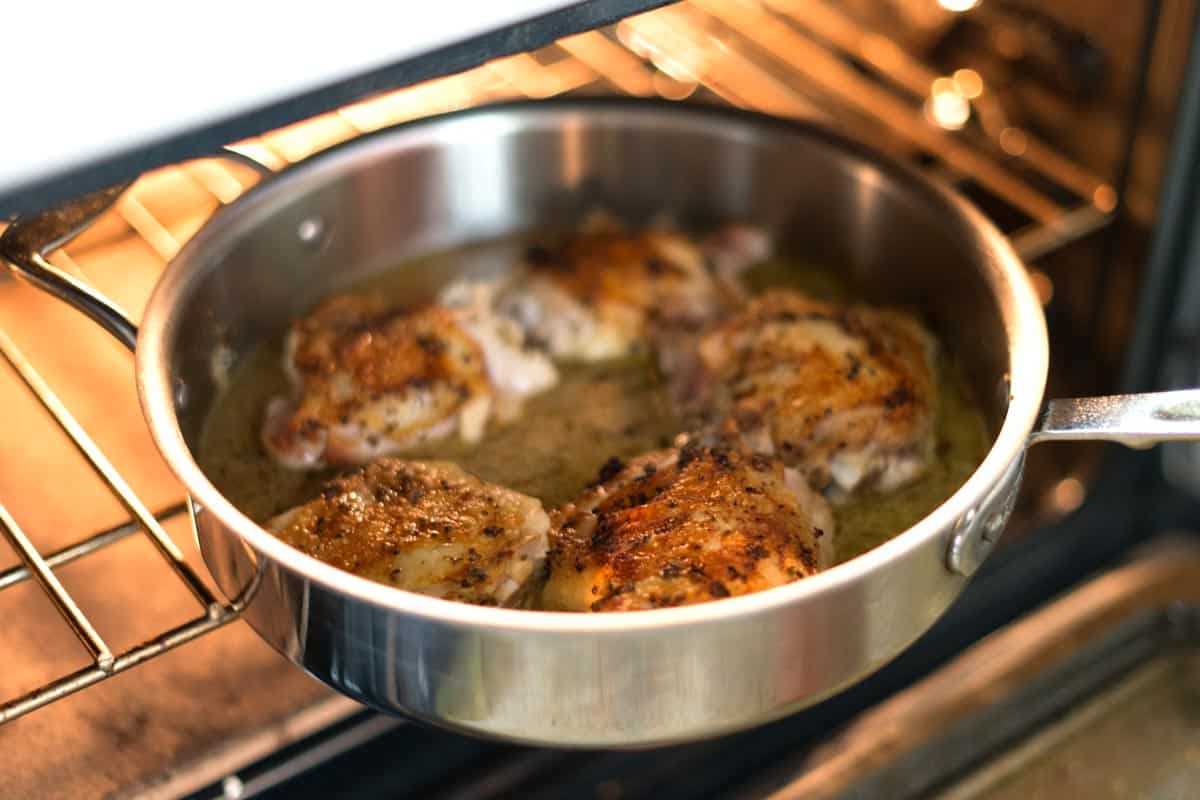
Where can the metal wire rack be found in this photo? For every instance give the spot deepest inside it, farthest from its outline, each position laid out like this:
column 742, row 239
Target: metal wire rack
column 41, row 569
column 796, row 58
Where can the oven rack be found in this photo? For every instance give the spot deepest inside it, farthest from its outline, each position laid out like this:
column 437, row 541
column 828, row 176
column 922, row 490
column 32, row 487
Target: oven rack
column 40, row 568
column 794, row 58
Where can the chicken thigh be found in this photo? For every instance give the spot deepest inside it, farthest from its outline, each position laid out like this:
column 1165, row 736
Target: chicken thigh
column 371, row 380
column 427, row 527
column 686, row 526
column 844, row 394
column 602, row 292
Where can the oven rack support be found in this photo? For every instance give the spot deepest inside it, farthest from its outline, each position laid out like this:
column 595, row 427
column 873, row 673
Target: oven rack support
column 105, row 663
column 783, row 57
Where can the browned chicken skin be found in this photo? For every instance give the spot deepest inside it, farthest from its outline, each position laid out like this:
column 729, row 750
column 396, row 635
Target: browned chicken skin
column 427, row 527
column 371, row 380
column 845, row 394
column 686, row 526
column 603, row 292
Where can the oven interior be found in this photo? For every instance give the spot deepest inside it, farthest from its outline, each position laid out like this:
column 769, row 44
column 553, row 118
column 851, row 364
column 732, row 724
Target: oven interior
column 1076, row 130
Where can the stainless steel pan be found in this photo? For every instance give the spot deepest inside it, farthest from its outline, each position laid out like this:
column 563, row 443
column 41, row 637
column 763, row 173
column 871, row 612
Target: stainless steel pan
column 631, row 679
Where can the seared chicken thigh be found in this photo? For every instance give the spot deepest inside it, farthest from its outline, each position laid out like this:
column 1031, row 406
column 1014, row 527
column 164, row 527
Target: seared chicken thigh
column 601, row 292
column 844, row 394
column 426, row 527
column 686, row 526
column 372, row 380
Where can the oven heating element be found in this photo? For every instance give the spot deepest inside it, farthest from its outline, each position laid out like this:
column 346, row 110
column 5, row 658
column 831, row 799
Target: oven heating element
column 795, row 58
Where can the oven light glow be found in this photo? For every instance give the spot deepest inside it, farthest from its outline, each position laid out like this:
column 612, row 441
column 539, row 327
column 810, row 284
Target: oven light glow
column 958, row 5
column 1013, row 141
column 947, row 107
column 1068, row 495
column 1104, row 198
column 969, row 83
column 233, row 787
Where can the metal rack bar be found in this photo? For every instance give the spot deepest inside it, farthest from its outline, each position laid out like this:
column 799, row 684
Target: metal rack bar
column 678, row 42
column 70, row 611
column 90, row 544
column 1039, row 240
column 605, row 57
column 83, row 678
column 105, row 469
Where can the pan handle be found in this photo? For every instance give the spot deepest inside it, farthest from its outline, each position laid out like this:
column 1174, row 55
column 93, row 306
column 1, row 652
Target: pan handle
column 1134, row 420
column 28, row 240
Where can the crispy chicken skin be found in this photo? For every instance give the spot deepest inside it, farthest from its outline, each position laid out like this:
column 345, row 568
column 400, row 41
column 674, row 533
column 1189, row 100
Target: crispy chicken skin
column 844, row 394
column 371, row 380
column 427, row 527
column 685, row 526
column 602, row 292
